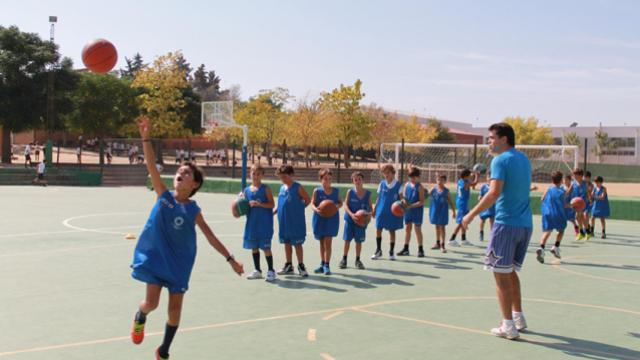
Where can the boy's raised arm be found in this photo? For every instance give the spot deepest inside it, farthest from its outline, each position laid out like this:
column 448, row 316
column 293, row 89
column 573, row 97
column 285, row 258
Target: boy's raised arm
column 150, row 156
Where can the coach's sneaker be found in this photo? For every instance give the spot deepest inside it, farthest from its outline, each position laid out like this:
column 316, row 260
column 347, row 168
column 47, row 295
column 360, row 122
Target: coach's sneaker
column 137, row 333
column 454, row 243
column 343, row 263
column 404, row 252
column 520, row 321
column 555, row 251
column 507, row 331
column 359, row 265
column 302, row 270
column 287, row 269
column 255, row 275
column 466, row 242
column 391, row 256
column 540, row 255
column 377, row 255
column 271, row 276
column 160, row 357
column 319, row 269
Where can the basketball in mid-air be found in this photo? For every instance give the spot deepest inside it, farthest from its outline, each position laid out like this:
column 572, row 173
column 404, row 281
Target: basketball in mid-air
column 99, row 56
column 578, row 204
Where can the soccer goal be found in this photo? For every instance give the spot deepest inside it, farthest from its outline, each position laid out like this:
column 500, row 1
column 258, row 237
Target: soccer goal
column 450, row 159
column 219, row 114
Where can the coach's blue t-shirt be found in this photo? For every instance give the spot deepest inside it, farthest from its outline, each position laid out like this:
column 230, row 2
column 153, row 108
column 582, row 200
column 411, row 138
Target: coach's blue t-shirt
column 512, row 208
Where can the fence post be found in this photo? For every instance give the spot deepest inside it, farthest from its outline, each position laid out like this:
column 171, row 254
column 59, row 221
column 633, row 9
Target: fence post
column 284, row 151
column 233, row 159
column 339, row 157
column 402, row 161
column 586, row 151
column 475, row 152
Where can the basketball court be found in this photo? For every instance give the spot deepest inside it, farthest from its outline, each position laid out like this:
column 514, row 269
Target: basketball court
column 67, row 292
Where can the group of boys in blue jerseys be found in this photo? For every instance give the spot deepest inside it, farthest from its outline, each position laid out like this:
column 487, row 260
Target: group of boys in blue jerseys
column 557, row 210
column 165, row 253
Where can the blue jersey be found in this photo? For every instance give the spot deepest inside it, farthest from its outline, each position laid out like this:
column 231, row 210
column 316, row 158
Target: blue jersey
column 600, row 208
column 412, row 196
column 353, row 231
column 579, row 190
column 462, row 195
column 291, row 219
column 166, row 248
column 259, row 225
column 554, row 216
column 439, row 207
column 513, row 168
column 325, row 226
column 568, row 211
column 387, row 195
column 491, row 211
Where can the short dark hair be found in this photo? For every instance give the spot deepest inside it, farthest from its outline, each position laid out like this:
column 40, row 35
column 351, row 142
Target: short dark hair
column 464, row 173
column 285, row 169
column 504, row 129
column 578, row 171
column 357, row 174
column 198, row 175
column 599, row 179
column 323, row 172
column 257, row 168
column 442, row 176
column 388, row 167
column 414, row 171
column 568, row 176
column 587, row 174
column 556, row 177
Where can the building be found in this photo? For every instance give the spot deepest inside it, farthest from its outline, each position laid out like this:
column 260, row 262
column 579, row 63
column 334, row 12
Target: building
column 624, row 143
column 463, row 133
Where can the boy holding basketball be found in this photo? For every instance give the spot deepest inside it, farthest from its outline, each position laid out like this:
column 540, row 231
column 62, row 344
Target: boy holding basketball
column 166, row 249
column 414, row 198
column 589, row 204
column 553, row 216
column 439, row 211
column 292, row 226
column 570, row 214
column 600, row 208
column 325, row 228
column 357, row 213
column 462, row 204
column 258, row 229
column 389, row 191
column 579, row 190
column 489, row 213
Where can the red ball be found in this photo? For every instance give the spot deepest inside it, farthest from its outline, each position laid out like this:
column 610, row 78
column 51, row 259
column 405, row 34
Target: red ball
column 99, row 56
column 327, row 208
column 397, row 209
column 578, row 204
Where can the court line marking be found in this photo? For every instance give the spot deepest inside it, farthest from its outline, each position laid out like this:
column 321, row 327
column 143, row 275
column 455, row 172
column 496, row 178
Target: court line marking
column 326, row 356
column 331, row 316
column 311, row 335
column 360, row 308
column 558, row 266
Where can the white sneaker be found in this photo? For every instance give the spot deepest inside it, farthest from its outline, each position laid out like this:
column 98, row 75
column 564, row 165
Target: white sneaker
column 507, row 332
column 271, row 276
column 520, row 321
column 555, row 251
column 467, row 243
column 540, row 255
column 392, row 257
column 377, row 255
column 255, row 275
column 454, row 243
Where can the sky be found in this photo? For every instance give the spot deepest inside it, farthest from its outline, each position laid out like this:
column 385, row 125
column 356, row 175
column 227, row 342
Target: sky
column 562, row 61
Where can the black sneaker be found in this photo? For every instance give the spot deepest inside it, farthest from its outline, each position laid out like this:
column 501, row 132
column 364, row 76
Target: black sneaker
column 404, row 252
column 359, row 265
column 302, row 270
column 342, row 264
column 287, row 269
column 420, row 253
column 377, row 255
column 604, row 236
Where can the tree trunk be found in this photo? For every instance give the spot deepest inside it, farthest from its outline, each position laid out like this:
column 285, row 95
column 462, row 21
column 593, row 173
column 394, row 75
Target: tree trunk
column 6, row 145
column 307, row 156
column 267, row 150
column 347, row 156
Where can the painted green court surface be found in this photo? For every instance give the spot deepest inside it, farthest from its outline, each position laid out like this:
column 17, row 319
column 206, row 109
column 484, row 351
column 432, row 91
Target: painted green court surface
column 66, row 293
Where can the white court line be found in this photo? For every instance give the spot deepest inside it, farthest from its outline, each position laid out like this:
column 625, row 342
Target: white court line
column 326, row 356
column 331, row 316
column 311, row 335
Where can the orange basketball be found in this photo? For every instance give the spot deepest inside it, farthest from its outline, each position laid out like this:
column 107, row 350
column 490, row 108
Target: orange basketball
column 99, row 56
column 397, row 208
column 578, row 204
column 362, row 218
column 327, row 208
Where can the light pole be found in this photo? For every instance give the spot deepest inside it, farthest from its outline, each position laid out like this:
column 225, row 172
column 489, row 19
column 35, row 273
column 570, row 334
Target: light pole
column 50, row 96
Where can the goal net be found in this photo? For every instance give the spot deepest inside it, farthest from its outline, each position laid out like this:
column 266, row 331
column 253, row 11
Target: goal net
column 450, row 159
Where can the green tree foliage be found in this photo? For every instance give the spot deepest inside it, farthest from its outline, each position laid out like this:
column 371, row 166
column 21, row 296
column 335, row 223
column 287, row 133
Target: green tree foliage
column 529, row 132
column 102, row 105
column 442, row 133
column 133, row 66
column 24, row 63
column 207, row 85
column 305, row 127
column 603, row 143
column 572, row 139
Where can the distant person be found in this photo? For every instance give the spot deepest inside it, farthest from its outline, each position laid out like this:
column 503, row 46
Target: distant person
column 37, row 152
column 600, row 208
column 79, row 154
column 109, row 155
column 27, row 155
column 554, row 215
column 41, row 171
column 463, row 195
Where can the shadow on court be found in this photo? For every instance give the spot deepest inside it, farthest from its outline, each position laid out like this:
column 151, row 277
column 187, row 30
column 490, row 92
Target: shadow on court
column 376, row 280
column 437, row 265
column 293, row 282
column 584, row 348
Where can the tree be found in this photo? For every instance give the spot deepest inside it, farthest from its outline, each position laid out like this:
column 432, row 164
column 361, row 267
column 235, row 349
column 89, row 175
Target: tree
column 572, row 139
column 133, row 67
column 306, row 126
column 413, row 132
column 207, row 85
column 442, row 133
column 603, row 144
column 25, row 61
column 529, row 132
column 349, row 122
column 102, row 105
column 183, row 65
column 383, row 129
column 162, row 97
